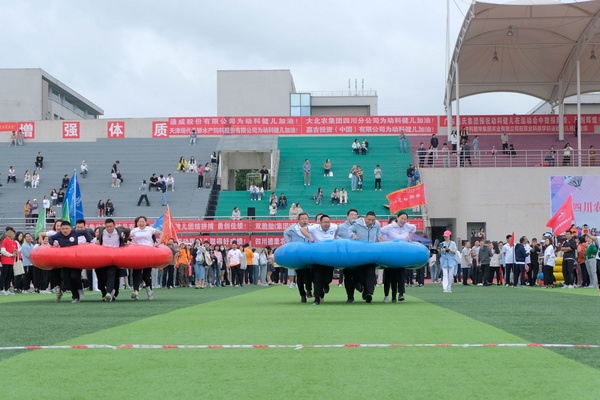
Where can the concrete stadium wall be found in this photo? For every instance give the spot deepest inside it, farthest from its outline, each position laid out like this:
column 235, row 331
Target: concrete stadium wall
column 505, row 199
column 92, row 129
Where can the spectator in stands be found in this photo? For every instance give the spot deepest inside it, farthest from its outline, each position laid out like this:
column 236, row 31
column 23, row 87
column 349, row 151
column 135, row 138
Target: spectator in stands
column 273, row 209
column 592, row 156
column 27, row 179
column 154, row 183
column 272, row 197
column 144, row 195
column 410, row 175
column 377, row 173
column 110, row 208
column 319, row 197
column 61, row 195
column 11, row 175
column 200, row 171
column 34, row 210
column 494, row 152
column 207, row 177
column 20, row 138
column 335, row 197
column 293, row 212
column 260, row 193
column 50, row 215
column 264, row 177
column 170, row 181
column 306, row 168
column 343, row 197
column 465, row 154
column 464, row 134
column 253, row 192
column 421, row 152
column 53, row 197
column 359, row 176
column 84, row 168
column 235, row 215
column 182, row 165
column 35, row 180
column 356, row 147
column 46, row 203
column 567, row 154
column 453, row 142
column 504, row 139
column 364, row 147
column 327, row 168
column 434, row 142
column 193, row 137
column 163, row 196
column 65, row 181
column 192, row 165
column 512, row 151
column 27, row 209
column 119, row 179
column 476, row 152
column 100, row 208
column 445, row 155
column 430, row 154
column 13, row 139
column 353, row 178
column 113, row 173
column 299, row 209
column 39, row 161
column 214, row 159
column 282, row 202
column 402, row 140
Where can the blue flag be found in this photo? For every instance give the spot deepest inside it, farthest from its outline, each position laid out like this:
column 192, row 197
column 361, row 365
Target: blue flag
column 72, row 205
column 158, row 224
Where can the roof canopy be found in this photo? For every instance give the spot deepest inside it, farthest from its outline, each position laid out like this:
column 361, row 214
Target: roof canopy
column 529, row 48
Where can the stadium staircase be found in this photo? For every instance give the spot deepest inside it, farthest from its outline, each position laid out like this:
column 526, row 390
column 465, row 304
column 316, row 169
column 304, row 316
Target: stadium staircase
column 383, row 150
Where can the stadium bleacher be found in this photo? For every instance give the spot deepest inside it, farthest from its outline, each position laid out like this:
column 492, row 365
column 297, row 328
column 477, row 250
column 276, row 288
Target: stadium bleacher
column 139, row 158
column 383, row 150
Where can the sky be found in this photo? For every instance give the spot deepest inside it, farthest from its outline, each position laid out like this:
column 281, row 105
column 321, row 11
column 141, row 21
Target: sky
column 138, row 59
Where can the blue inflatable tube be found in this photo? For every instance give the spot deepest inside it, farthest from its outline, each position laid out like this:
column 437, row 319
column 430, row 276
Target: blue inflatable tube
column 343, row 253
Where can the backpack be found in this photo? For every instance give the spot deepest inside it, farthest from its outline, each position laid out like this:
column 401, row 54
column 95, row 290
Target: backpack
column 262, row 259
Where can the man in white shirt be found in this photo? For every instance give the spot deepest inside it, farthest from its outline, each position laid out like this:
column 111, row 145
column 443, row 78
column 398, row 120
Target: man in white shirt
column 509, row 259
column 234, row 257
column 108, row 277
column 322, row 274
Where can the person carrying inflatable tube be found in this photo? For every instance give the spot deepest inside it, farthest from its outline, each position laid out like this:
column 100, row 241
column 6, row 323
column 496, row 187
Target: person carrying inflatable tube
column 349, row 274
column 367, row 229
column 110, row 235
column 294, row 234
column 322, row 274
column 397, row 229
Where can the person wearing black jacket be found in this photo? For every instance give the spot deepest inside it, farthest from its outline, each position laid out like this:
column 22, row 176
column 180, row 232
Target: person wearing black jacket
column 434, row 142
column 520, row 256
column 534, row 266
column 67, row 237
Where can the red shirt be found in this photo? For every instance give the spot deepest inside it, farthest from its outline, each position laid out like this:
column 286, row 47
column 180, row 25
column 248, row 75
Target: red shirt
column 10, row 246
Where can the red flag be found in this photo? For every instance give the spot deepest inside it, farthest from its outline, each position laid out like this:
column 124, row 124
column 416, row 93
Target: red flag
column 564, row 217
column 511, row 241
column 407, row 198
column 169, row 228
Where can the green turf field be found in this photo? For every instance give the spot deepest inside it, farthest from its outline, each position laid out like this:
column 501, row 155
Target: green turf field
column 275, row 316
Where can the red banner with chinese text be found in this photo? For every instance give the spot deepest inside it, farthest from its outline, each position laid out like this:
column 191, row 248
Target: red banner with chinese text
column 482, row 124
column 407, row 198
column 349, row 125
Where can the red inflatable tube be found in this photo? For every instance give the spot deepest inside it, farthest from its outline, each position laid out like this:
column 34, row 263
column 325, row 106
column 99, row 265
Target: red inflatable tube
column 91, row 256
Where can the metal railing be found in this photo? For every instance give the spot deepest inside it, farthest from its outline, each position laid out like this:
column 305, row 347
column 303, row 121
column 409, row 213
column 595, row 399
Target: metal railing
column 345, row 93
column 485, row 158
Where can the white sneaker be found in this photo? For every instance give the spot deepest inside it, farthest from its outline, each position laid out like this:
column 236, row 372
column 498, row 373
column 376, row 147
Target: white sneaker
column 386, row 299
column 150, row 294
column 81, row 294
column 570, row 286
column 108, row 297
column 135, row 295
column 291, row 286
column 2, row 293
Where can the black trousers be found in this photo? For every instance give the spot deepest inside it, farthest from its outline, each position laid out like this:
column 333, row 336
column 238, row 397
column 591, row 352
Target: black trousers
column 72, row 281
column 108, row 279
column 349, row 282
column 6, row 275
column 489, row 277
column 139, row 274
column 548, row 271
column 509, row 268
column 465, row 276
column 567, row 269
column 484, row 271
column 304, row 278
column 377, row 183
column 167, row 276
column 393, row 278
column 533, row 273
column 519, row 272
column 421, row 276
column 200, row 181
column 142, row 197
column 322, row 277
column 366, row 275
